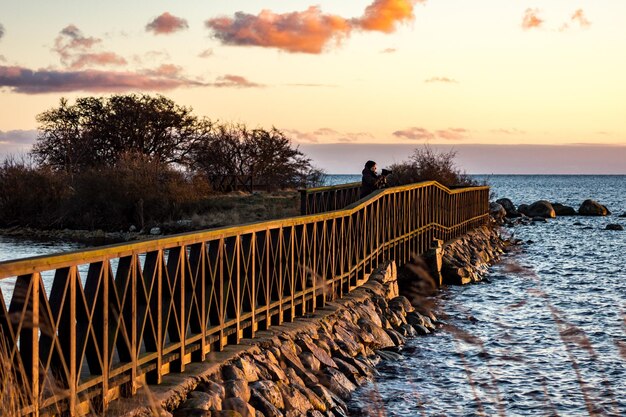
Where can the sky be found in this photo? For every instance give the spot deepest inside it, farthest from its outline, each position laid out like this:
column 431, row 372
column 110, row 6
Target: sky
column 487, row 78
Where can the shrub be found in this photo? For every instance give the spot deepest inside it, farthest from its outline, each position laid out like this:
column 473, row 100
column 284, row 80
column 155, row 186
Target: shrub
column 31, row 196
column 135, row 191
column 427, row 164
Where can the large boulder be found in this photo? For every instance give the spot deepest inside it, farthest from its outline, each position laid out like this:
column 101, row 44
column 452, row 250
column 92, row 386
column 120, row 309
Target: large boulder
column 541, row 208
column 592, row 208
column 614, row 226
column 508, row 205
column 562, row 210
column 497, row 211
column 523, row 209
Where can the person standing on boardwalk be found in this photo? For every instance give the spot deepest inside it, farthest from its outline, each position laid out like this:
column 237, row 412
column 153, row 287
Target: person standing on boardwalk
column 371, row 181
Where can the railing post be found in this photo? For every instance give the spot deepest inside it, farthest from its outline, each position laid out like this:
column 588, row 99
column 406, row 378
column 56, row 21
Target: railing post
column 303, row 201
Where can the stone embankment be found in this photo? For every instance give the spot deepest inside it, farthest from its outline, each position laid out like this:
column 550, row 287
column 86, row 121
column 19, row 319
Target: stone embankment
column 311, row 366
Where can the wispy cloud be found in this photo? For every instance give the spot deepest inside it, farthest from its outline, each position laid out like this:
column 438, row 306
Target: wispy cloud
column 74, row 49
column 206, row 53
column 308, row 31
column 388, row 51
column 513, row 131
column 531, row 19
column 166, row 24
column 18, row 137
column 420, row 133
column 28, row 81
column 328, row 135
column 445, row 80
column 236, row 81
column 580, row 18
column 1, row 31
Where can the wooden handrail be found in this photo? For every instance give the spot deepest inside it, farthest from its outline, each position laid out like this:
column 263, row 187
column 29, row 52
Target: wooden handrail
column 101, row 322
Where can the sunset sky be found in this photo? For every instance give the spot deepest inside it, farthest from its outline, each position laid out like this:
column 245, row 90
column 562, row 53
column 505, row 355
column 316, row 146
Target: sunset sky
column 355, row 72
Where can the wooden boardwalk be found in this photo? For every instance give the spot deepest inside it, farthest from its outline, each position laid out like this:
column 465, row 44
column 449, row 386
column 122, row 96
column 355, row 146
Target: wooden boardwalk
column 84, row 328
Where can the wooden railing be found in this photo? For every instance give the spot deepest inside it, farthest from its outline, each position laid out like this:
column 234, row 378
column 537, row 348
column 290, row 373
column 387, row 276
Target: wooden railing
column 322, row 199
column 86, row 327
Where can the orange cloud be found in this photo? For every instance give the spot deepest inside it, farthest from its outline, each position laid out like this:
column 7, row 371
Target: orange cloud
column 166, row 24
column 384, row 15
column 309, row 31
column 580, row 18
column 531, row 19
column 441, row 80
column 27, row 81
column 235, row 81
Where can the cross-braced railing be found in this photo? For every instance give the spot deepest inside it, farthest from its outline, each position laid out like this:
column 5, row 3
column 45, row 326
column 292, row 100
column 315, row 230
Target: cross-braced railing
column 322, row 199
column 86, row 327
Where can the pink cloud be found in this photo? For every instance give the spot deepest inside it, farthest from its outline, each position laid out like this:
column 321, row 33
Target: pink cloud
column 441, row 80
column 100, row 58
column 166, row 24
column 309, row 31
column 509, row 131
column 235, row 81
column 27, row 81
column 531, row 19
column 74, row 49
column 327, row 135
column 452, row 134
column 414, row 133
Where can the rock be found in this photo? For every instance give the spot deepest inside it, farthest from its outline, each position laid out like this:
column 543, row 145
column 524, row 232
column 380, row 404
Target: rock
column 614, row 226
column 237, row 388
column 562, row 210
column 198, row 401
column 260, row 403
column 240, row 406
column 307, row 344
column 380, row 337
column 269, row 391
column 407, row 330
column 132, row 228
column 398, row 339
column 192, row 412
column 401, row 303
column 539, row 219
column 310, row 361
column 317, row 403
column 350, row 371
column 294, row 399
column 622, row 215
column 224, row 413
column 155, row 231
column 389, row 356
column 578, row 224
column 541, row 208
column 337, row 382
column 497, row 211
column 250, row 372
column 592, row 208
column 523, row 209
column 509, row 207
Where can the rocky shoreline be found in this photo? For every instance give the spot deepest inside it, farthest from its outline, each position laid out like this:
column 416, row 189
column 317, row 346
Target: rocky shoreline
column 506, row 213
column 311, row 367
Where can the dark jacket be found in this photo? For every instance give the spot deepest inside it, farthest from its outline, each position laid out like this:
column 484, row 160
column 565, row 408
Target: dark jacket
column 370, row 182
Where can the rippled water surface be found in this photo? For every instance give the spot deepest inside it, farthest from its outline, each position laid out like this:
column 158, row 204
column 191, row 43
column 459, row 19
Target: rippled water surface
column 541, row 337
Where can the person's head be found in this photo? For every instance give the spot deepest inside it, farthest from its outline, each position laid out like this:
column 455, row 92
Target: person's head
column 371, row 165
